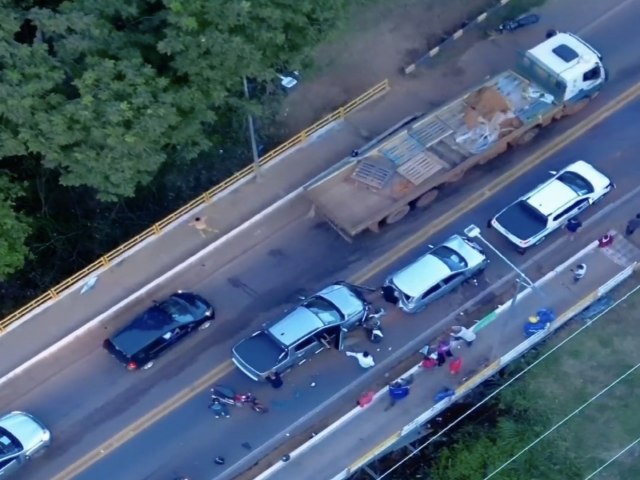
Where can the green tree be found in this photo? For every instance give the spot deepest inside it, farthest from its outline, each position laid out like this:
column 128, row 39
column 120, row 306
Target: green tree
column 479, row 449
column 14, row 229
column 143, row 81
column 116, row 112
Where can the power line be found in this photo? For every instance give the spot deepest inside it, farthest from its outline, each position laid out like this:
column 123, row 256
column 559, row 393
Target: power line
column 565, row 419
column 621, row 452
column 493, row 394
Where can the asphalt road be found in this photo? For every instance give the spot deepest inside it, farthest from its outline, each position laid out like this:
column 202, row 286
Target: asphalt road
column 86, row 397
column 189, row 438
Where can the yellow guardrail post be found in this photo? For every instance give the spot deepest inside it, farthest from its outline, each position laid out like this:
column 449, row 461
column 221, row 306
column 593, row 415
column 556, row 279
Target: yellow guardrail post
column 157, row 229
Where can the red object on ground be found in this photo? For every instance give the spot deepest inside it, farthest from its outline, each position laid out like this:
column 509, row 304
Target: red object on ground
column 429, row 363
column 455, row 366
column 605, row 240
column 366, row 398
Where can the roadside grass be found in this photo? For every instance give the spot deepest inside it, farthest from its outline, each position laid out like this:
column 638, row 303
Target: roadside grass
column 375, row 42
column 578, row 371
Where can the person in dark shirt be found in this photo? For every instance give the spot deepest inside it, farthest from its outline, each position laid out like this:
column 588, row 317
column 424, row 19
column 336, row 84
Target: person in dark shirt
column 633, row 225
column 274, row 379
column 573, row 225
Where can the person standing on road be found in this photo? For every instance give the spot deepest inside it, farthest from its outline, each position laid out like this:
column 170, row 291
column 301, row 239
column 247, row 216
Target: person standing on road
column 462, row 333
column 444, row 351
column 579, row 272
column 200, row 224
column 573, row 225
column 365, row 360
column 399, row 389
column 274, row 379
column 632, row 225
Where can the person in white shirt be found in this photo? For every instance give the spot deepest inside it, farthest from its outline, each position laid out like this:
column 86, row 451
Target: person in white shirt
column 365, row 360
column 462, row 333
column 579, row 272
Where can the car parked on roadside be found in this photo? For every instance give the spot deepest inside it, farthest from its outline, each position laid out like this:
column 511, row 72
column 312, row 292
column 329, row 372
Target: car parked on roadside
column 319, row 322
column 158, row 328
column 22, row 437
column 531, row 218
column 438, row 272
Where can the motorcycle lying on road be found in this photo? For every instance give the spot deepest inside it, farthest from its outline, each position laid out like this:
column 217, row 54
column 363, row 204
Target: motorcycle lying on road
column 219, row 409
column 223, row 395
column 516, row 24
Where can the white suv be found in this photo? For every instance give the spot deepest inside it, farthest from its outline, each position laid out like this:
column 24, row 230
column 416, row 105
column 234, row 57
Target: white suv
column 532, row 217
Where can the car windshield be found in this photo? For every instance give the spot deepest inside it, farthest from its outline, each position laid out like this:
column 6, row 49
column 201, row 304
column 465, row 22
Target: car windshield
column 178, row 309
column 8, row 443
column 324, row 310
column 450, row 258
column 576, row 183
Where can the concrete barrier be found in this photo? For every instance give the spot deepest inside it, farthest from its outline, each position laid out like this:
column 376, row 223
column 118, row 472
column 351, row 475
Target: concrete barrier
column 472, row 382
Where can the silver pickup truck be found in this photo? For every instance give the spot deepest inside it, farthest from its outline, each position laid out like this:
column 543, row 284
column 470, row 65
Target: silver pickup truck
column 318, row 323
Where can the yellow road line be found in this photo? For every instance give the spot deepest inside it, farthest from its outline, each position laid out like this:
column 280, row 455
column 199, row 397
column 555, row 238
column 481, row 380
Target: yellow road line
column 144, row 422
column 182, row 397
column 375, row 451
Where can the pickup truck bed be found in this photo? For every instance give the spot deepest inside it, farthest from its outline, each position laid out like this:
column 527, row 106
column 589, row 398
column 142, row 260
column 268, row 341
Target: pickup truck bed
column 259, row 352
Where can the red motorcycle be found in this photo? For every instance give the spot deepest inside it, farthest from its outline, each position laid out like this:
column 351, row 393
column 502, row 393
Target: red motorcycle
column 230, row 397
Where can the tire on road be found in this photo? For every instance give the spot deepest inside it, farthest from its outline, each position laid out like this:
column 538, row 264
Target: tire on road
column 426, row 199
column 397, row 215
column 374, row 227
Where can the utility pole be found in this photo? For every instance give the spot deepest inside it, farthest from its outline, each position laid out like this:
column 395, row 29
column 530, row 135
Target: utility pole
column 252, row 134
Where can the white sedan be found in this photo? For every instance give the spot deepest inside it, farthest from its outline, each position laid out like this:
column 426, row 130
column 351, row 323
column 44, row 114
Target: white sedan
column 549, row 206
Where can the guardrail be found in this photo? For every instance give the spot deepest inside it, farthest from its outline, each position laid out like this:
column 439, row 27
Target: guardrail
column 490, row 370
column 158, row 228
column 467, row 25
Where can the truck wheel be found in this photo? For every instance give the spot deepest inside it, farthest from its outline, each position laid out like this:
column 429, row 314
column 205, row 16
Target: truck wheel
column 427, row 198
column 527, row 136
column 397, row 215
column 576, row 107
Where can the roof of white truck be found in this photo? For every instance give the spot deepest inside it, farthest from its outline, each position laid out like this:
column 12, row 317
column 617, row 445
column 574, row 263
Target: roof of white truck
column 564, row 51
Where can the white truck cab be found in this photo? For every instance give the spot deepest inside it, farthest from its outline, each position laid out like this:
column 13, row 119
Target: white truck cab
column 567, row 66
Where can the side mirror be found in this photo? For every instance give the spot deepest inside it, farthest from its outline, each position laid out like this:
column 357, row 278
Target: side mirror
column 302, row 297
column 553, row 172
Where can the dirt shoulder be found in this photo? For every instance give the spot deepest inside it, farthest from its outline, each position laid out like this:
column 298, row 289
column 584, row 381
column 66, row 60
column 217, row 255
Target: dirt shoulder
column 376, row 43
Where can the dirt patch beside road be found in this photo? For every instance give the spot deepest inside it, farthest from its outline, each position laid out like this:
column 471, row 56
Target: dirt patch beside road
column 378, row 41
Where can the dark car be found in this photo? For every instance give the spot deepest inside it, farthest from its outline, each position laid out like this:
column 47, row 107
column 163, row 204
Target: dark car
column 158, row 328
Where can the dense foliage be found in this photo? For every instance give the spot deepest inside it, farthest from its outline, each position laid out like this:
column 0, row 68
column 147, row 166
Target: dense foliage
column 111, row 109
column 491, row 435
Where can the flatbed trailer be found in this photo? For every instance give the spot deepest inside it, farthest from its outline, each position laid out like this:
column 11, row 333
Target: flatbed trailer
column 407, row 165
